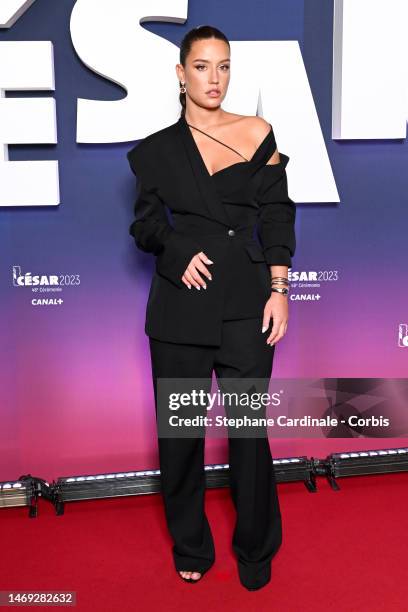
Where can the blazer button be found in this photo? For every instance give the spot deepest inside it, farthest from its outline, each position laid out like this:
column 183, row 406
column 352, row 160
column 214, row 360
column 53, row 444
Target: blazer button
column 231, row 232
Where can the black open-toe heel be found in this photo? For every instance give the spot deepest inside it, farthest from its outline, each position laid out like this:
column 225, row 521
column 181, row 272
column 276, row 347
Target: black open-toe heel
column 191, row 580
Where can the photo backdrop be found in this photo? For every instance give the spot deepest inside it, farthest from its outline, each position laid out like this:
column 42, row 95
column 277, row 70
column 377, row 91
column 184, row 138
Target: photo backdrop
column 76, row 390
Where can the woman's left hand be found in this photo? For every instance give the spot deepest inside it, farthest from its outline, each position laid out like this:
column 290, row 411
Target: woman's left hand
column 276, row 308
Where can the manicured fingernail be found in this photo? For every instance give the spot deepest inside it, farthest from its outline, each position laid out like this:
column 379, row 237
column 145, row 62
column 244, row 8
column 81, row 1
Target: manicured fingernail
column 209, row 261
column 264, row 329
column 198, row 288
column 189, row 286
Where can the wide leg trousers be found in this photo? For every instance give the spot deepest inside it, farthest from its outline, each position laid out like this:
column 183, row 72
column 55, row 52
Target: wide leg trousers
column 258, row 528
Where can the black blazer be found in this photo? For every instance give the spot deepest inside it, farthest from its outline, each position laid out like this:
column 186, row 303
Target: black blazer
column 171, row 173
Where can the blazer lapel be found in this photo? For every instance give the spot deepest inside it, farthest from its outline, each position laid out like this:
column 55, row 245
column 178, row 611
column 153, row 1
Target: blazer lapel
column 204, row 182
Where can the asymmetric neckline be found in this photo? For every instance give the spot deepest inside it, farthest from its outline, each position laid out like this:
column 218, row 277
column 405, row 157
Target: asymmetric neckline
column 246, row 162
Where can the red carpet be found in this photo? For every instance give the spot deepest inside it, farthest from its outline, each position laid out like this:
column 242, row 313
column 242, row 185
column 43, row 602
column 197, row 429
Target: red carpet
column 344, row 551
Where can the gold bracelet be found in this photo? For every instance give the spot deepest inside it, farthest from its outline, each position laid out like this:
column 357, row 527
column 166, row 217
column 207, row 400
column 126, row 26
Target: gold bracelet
column 279, row 283
column 280, row 279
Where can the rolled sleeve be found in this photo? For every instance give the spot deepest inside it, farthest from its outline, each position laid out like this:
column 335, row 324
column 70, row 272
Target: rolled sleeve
column 277, row 215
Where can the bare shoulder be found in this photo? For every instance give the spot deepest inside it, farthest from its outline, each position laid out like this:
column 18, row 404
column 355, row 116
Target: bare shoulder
column 258, row 127
column 252, row 124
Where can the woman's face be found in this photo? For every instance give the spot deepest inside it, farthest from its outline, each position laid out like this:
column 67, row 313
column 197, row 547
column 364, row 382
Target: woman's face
column 207, row 72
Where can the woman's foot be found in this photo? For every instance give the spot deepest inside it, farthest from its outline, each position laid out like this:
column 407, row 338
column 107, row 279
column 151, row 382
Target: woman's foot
column 190, row 575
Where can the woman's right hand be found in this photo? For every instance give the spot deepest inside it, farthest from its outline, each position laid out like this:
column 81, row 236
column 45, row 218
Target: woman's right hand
column 191, row 276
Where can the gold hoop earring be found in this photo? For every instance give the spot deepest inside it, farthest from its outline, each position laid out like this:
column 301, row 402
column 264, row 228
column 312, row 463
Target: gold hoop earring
column 182, row 88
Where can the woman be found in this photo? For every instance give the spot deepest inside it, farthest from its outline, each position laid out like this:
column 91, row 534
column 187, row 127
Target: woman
column 214, row 294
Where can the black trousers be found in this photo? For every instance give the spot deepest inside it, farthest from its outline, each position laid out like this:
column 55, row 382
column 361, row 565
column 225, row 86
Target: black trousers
column 258, row 528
